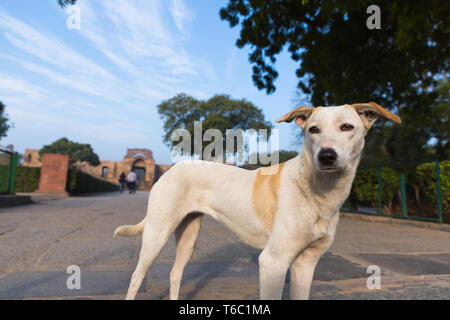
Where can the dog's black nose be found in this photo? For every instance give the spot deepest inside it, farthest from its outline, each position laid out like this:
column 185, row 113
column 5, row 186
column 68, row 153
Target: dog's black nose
column 327, row 156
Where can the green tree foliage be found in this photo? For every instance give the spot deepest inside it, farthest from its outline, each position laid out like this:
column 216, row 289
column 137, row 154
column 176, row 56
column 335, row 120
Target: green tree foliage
column 365, row 187
column 27, row 179
column 283, row 156
column 75, row 151
column 440, row 121
column 64, row 3
column 4, row 125
column 426, row 183
column 179, row 112
column 219, row 112
column 79, row 182
column 422, row 136
column 4, row 173
column 421, row 179
column 342, row 61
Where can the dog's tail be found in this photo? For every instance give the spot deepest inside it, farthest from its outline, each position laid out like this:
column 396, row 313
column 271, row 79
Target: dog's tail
column 130, row 230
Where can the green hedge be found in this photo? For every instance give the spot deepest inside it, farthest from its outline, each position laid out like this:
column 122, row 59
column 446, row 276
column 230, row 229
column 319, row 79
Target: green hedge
column 425, row 175
column 365, row 187
column 4, row 170
column 421, row 177
column 79, row 182
column 27, row 180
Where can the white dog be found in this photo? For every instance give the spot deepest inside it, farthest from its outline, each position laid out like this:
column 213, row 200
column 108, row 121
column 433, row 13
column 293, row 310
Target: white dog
column 290, row 210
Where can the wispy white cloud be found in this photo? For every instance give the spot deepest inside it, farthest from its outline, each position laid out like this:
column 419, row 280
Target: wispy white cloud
column 141, row 40
column 95, row 30
column 11, row 86
column 70, row 89
column 181, row 14
column 230, row 64
column 48, row 49
column 114, row 131
column 141, row 35
column 143, row 32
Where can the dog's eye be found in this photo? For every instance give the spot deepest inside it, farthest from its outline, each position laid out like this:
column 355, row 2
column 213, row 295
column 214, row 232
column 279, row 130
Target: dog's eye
column 314, row 130
column 347, row 127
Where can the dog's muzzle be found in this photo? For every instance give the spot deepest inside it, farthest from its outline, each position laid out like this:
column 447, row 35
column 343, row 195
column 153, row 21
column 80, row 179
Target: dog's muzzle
column 327, row 156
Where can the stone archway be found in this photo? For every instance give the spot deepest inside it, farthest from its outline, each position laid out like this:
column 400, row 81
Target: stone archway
column 139, row 168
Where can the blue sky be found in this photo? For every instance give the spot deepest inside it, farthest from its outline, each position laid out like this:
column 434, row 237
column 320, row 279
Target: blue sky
column 101, row 84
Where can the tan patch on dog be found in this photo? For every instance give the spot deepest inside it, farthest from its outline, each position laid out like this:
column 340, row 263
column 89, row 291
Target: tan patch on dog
column 265, row 194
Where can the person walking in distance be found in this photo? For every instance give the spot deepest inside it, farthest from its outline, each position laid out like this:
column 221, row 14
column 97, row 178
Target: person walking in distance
column 122, row 181
column 132, row 177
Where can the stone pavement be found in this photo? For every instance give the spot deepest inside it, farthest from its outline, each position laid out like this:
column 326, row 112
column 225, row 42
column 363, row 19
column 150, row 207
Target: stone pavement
column 39, row 241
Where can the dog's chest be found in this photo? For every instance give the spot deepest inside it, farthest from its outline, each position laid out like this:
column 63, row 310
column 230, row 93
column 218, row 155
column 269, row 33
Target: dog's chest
column 321, row 228
column 325, row 227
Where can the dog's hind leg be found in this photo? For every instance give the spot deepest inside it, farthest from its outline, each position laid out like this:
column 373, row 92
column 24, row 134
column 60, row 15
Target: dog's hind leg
column 153, row 240
column 185, row 236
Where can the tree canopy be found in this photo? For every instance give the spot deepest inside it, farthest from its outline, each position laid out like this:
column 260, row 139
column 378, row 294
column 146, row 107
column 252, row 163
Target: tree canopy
column 219, row 112
column 339, row 58
column 64, row 3
column 4, row 124
column 341, row 61
column 283, row 156
column 422, row 136
column 76, row 151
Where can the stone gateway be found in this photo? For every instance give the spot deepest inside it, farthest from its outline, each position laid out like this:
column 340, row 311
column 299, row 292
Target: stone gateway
column 139, row 160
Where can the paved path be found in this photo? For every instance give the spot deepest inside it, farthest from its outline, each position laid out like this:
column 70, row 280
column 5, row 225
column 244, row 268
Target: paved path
column 39, row 241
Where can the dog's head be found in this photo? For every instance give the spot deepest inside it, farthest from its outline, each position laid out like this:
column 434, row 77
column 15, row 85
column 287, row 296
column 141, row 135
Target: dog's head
column 335, row 135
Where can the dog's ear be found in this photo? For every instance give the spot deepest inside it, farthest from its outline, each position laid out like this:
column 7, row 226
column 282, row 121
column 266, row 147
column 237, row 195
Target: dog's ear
column 301, row 114
column 371, row 111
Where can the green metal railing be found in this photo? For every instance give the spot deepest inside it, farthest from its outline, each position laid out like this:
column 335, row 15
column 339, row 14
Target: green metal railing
column 8, row 165
column 371, row 207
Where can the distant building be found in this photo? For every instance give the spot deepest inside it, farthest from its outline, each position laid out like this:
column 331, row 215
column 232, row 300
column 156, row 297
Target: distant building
column 31, row 158
column 139, row 160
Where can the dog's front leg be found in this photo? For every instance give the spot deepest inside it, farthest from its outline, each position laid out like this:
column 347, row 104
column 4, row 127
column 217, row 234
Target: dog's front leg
column 302, row 269
column 272, row 272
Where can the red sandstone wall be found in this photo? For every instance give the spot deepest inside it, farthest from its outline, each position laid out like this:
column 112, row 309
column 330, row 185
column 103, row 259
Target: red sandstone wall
column 114, row 168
